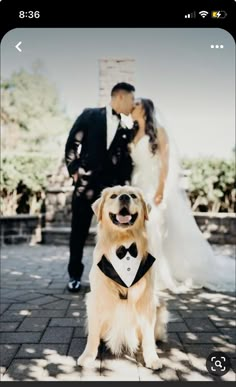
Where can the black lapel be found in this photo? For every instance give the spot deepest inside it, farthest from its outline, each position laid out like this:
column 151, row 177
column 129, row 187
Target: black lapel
column 106, row 267
column 143, row 268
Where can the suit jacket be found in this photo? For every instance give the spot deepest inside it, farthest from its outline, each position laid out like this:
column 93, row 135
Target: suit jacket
column 86, row 150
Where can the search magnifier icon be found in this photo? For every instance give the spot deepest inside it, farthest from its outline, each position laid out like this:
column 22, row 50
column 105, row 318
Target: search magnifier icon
column 218, row 363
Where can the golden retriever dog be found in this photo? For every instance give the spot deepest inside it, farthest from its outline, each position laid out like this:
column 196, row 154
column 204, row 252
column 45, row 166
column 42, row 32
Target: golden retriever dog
column 123, row 307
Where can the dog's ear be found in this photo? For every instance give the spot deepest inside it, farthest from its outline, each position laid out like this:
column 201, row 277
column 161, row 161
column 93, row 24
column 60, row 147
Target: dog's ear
column 149, row 207
column 97, row 208
column 146, row 208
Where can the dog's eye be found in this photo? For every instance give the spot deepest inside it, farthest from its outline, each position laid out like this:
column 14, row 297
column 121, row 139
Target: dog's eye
column 113, row 196
column 133, row 196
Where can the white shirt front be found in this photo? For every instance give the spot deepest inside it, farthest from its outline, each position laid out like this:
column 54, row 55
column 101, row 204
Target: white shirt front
column 112, row 125
column 127, row 267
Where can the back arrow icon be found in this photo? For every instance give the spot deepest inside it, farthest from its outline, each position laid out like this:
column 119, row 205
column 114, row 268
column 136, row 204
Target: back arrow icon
column 17, row 46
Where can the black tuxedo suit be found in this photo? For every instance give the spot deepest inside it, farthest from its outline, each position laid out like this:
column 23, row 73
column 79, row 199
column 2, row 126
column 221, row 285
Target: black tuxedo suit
column 86, row 152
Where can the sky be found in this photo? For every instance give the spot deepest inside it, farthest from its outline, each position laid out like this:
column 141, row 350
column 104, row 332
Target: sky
column 192, row 85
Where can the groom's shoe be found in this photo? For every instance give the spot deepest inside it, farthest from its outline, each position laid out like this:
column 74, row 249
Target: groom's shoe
column 73, row 285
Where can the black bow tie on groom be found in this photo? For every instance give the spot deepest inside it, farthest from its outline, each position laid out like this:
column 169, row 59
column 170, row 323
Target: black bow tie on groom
column 122, row 251
column 116, row 114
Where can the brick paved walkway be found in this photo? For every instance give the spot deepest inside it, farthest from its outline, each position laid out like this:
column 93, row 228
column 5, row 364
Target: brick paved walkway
column 42, row 325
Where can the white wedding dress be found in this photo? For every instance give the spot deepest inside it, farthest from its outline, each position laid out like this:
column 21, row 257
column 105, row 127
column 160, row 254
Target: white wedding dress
column 184, row 258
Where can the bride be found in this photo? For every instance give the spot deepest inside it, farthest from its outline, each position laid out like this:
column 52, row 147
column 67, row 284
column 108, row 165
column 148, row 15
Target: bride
column 185, row 259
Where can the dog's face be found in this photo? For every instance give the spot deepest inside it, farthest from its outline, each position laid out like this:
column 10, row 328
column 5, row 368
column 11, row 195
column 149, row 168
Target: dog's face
column 121, row 207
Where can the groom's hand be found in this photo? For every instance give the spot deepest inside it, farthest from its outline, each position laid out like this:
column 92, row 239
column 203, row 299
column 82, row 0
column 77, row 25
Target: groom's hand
column 75, row 177
column 80, row 173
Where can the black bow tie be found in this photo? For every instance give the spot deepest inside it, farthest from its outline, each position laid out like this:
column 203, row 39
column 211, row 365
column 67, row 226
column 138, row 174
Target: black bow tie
column 122, row 251
column 116, row 114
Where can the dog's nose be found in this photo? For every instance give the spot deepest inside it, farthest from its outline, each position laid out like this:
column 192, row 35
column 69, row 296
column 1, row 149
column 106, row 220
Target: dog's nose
column 124, row 198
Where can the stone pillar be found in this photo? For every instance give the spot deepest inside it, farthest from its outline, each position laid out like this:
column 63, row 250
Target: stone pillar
column 112, row 71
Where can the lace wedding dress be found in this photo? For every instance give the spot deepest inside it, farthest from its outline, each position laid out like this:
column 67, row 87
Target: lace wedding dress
column 184, row 258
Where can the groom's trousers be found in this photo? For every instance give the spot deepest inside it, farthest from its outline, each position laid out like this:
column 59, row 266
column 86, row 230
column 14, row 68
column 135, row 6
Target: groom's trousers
column 81, row 219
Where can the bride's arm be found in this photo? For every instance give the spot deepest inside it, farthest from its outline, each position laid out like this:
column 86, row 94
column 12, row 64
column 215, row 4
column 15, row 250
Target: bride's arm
column 163, row 149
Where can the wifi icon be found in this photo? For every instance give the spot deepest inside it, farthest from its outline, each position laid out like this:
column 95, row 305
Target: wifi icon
column 203, row 13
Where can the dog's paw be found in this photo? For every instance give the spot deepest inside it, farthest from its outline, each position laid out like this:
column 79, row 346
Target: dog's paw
column 163, row 337
column 86, row 360
column 154, row 364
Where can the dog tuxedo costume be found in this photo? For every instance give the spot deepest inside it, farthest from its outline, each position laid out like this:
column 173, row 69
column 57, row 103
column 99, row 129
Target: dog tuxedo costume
column 125, row 266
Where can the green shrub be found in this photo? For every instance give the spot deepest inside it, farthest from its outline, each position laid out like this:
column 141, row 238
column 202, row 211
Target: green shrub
column 24, row 179
column 23, row 182
column 211, row 184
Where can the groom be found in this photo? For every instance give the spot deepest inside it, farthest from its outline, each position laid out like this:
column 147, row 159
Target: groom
column 96, row 156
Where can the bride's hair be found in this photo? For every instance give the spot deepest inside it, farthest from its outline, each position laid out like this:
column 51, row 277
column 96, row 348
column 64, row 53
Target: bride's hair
column 150, row 123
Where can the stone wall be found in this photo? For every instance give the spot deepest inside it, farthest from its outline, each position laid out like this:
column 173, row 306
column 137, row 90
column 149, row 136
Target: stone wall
column 20, row 229
column 58, row 198
column 218, row 228
column 58, row 206
column 112, row 71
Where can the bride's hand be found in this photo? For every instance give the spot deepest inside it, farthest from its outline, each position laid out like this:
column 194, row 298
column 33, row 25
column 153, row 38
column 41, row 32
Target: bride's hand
column 158, row 197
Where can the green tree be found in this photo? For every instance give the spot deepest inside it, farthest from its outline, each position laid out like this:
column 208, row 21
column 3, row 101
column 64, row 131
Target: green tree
column 34, row 128
column 32, row 116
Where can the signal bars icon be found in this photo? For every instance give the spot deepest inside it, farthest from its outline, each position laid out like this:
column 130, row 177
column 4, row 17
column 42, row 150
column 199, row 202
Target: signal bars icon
column 190, row 15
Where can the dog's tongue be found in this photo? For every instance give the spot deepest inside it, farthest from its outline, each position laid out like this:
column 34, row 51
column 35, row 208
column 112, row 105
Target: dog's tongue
column 123, row 219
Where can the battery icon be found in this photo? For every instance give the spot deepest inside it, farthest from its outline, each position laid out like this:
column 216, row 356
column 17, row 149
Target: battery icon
column 218, row 14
